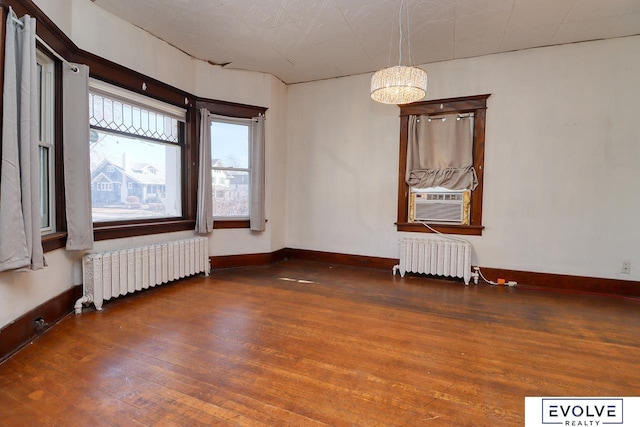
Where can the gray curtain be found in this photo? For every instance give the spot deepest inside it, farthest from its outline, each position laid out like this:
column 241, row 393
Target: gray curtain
column 440, row 153
column 20, row 240
column 204, row 213
column 77, row 176
column 257, row 218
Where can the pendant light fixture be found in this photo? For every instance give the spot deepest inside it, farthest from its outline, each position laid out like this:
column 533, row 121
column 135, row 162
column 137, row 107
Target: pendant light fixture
column 399, row 84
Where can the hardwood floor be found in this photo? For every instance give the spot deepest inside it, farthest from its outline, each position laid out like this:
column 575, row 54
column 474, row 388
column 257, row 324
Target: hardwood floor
column 303, row 344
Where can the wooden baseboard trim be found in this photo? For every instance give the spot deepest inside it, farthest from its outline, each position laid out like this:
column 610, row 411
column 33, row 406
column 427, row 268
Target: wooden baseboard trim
column 341, row 259
column 547, row 281
column 525, row 279
column 23, row 330
column 566, row 283
column 254, row 260
column 246, row 260
column 529, row 279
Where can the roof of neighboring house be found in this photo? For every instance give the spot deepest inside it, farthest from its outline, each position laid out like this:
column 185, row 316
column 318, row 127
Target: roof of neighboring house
column 138, row 173
column 220, row 164
column 100, row 177
column 141, row 167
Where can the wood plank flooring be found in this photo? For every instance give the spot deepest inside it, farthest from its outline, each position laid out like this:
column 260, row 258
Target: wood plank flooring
column 309, row 344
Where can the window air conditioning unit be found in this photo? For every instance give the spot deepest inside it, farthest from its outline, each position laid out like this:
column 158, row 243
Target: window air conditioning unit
column 446, row 207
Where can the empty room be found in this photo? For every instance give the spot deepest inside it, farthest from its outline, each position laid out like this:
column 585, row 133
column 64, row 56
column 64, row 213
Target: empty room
column 305, row 213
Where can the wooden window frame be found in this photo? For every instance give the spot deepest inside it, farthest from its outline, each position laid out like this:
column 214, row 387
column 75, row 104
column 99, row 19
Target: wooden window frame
column 145, row 225
column 470, row 104
column 47, row 135
column 233, row 111
column 58, row 238
column 137, row 227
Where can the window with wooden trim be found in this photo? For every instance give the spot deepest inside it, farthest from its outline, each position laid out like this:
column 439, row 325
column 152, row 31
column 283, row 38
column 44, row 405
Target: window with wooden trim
column 456, row 210
column 46, row 141
column 136, row 157
column 49, row 100
column 230, row 168
column 230, row 172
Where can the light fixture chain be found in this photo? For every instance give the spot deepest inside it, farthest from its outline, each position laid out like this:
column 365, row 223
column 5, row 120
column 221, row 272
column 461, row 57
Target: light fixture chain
column 408, row 35
column 400, row 38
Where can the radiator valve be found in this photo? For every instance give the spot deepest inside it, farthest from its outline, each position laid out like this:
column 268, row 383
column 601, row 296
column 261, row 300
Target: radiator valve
column 475, row 275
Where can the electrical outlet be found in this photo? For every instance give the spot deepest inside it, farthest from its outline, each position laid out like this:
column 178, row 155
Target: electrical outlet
column 626, row 267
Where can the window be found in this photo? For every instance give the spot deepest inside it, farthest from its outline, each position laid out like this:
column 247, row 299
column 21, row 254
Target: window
column 459, row 211
column 104, row 186
column 230, row 168
column 136, row 152
column 232, row 174
column 46, row 140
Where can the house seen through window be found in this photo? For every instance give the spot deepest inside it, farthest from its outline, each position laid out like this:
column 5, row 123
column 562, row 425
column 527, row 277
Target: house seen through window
column 135, row 156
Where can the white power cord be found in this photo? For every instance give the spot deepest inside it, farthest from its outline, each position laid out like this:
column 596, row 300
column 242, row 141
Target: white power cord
column 446, row 236
column 476, row 269
column 510, row 283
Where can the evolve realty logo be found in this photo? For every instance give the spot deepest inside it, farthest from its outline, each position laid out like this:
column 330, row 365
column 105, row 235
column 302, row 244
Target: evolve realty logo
column 582, row 411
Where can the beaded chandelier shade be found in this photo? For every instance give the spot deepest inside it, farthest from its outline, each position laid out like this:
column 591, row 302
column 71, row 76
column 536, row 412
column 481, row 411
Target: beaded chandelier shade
column 399, row 84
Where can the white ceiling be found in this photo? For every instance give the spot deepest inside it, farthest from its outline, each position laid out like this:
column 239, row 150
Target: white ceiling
column 305, row 40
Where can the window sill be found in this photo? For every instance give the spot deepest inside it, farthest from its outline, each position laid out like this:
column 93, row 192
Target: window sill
column 223, row 224
column 117, row 231
column 54, row 241
column 469, row 230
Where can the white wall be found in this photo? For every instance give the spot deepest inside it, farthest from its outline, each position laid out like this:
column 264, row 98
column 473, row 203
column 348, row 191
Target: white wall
column 276, row 171
column 561, row 160
column 59, row 11
column 262, row 90
column 23, row 291
column 98, row 31
column 342, row 165
column 103, row 34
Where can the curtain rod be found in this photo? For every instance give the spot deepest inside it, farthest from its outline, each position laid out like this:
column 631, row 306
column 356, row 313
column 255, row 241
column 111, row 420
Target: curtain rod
column 53, row 52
